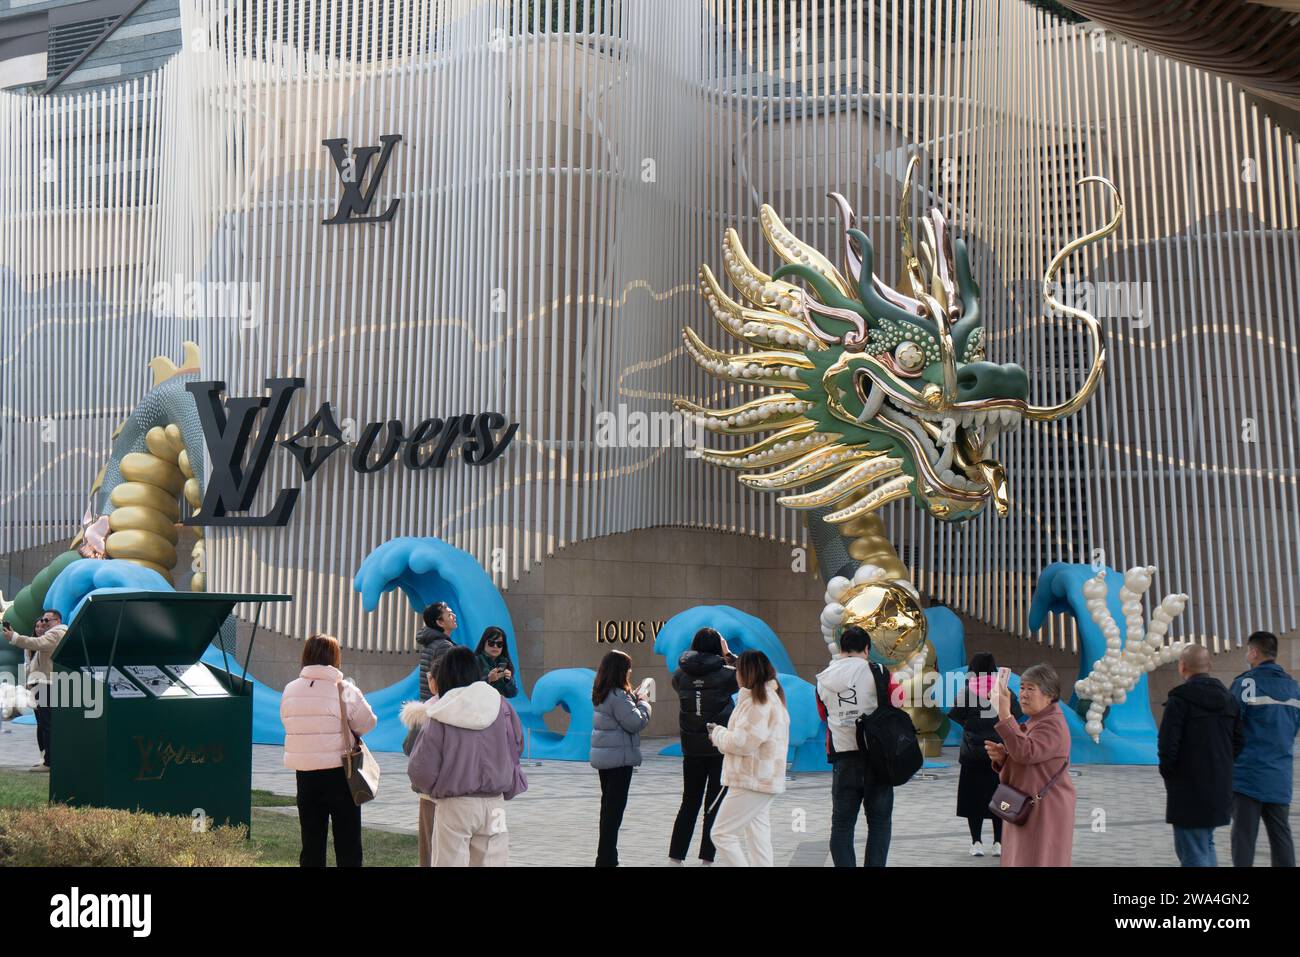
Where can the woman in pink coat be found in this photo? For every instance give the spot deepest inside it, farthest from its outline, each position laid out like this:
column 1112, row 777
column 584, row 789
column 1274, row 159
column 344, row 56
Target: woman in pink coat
column 1028, row 759
column 314, row 742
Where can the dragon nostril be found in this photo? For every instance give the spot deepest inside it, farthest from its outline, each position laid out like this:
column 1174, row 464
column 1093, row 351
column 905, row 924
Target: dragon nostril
column 967, row 379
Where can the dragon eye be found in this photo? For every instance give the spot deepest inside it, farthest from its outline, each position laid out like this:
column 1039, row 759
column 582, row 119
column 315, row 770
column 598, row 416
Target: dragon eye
column 909, row 357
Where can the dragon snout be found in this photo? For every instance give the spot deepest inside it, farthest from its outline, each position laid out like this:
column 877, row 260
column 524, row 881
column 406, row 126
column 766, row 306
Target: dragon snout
column 989, row 380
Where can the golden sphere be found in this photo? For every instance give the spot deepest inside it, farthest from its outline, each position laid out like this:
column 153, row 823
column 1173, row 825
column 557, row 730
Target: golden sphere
column 890, row 615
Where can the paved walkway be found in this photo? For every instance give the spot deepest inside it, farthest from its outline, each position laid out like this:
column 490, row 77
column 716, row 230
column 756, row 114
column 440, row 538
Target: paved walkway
column 1120, row 818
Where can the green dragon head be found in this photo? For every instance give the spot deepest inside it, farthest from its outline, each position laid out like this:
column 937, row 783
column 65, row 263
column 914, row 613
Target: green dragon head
column 881, row 394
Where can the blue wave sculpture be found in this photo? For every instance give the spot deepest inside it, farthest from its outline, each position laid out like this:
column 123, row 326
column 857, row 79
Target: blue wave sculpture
column 1129, row 730
column 428, row 570
column 744, row 632
column 76, row 582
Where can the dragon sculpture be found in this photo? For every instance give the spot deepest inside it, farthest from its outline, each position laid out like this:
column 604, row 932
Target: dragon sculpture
column 878, row 395
column 135, row 499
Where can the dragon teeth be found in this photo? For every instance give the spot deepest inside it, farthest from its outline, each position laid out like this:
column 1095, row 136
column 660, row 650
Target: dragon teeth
column 945, row 460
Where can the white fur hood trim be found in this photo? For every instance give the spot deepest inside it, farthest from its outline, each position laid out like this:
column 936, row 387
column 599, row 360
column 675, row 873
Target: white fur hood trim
column 474, row 707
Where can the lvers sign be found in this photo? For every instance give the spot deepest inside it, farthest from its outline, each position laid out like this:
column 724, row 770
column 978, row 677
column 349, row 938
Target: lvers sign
column 239, row 458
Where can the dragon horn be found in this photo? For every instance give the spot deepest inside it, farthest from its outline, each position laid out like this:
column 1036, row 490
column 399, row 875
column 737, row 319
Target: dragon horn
column 852, row 261
column 1075, row 402
column 911, row 264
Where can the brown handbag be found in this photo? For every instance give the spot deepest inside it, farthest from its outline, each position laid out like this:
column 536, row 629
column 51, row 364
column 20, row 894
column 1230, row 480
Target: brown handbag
column 1013, row 805
column 359, row 765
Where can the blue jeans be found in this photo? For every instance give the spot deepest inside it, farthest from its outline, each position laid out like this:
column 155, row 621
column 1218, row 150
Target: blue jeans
column 1195, row 846
column 849, row 792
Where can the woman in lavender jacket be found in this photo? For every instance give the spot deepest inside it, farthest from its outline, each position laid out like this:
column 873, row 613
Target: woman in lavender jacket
column 466, row 757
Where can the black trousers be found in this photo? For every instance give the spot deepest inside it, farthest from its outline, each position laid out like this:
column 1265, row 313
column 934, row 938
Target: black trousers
column 977, row 829
column 1246, row 815
column 323, row 796
column 701, row 784
column 614, row 785
column 43, row 732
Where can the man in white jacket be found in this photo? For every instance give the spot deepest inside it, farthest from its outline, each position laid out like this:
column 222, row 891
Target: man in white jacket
column 850, row 687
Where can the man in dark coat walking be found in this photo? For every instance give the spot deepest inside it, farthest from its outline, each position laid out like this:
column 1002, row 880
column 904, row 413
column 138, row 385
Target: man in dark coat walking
column 1200, row 737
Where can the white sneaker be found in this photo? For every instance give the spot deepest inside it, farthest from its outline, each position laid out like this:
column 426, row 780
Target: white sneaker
column 674, row 862
column 997, row 849
column 39, row 769
column 977, row 849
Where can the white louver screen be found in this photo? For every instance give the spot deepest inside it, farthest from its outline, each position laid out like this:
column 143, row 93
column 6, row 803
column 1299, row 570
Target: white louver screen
column 561, row 178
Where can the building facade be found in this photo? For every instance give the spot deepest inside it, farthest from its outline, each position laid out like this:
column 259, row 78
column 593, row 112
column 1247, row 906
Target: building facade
column 556, row 173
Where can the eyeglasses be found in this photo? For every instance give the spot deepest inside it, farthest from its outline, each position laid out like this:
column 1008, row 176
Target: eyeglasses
column 47, row 620
column 496, row 643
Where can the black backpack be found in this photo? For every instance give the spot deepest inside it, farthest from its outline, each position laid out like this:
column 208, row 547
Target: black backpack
column 887, row 737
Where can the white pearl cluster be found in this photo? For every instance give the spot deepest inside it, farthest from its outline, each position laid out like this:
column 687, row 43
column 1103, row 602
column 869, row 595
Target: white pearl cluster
column 1115, row 674
column 735, row 367
column 766, row 291
column 784, row 239
column 816, row 463
column 781, row 449
column 871, row 501
column 764, row 332
column 759, row 413
column 833, row 613
column 778, row 334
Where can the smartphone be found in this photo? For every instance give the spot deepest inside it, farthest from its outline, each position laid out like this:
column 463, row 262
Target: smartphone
column 1004, row 676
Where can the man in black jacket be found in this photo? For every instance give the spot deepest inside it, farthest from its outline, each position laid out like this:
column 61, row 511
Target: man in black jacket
column 1200, row 737
column 435, row 641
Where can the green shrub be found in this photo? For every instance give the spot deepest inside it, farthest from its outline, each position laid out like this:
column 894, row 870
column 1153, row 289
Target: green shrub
column 61, row 836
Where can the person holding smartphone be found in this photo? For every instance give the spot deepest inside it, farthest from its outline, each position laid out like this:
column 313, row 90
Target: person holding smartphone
column 37, row 667
column 977, row 717
column 754, row 747
column 621, row 715
column 494, row 662
column 1034, row 758
column 705, row 681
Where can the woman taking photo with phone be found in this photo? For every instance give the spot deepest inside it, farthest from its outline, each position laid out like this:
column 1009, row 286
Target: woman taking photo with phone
column 620, row 717
column 494, row 663
column 753, row 746
column 1034, row 761
column 977, row 717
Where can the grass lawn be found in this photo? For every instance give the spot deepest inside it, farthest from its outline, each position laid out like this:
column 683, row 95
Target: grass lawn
column 275, row 834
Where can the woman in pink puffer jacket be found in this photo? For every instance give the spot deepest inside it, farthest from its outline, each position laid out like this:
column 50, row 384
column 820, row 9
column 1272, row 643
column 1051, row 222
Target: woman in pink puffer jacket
column 314, row 743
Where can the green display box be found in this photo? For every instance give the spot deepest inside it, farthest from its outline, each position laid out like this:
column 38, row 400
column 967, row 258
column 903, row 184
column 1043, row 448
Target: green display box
column 139, row 723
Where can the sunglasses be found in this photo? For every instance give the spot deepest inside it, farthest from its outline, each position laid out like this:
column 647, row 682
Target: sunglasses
column 496, row 643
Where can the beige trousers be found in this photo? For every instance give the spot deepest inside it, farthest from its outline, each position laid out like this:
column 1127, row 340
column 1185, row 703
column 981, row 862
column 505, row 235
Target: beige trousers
column 743, row 822
column 470, row 832
column 426, row 831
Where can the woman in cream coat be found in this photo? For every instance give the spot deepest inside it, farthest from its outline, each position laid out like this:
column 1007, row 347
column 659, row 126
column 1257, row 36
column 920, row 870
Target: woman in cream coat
column 753, row 745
